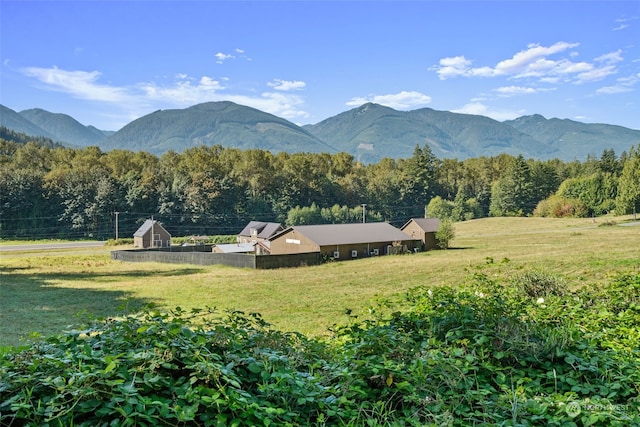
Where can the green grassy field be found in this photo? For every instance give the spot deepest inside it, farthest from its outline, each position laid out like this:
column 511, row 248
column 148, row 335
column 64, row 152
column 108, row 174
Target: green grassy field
column 46, row 292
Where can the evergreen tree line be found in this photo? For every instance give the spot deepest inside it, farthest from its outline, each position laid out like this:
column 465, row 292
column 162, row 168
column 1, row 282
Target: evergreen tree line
column 58, row 192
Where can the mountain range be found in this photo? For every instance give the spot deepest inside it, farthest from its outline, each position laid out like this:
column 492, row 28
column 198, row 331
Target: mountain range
column 369, row 132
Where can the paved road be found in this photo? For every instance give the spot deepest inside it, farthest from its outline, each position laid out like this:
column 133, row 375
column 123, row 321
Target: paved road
column 48, row 246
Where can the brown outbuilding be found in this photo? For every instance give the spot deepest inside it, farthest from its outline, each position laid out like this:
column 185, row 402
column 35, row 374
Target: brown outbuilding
column 151, row 234
column 423, row 229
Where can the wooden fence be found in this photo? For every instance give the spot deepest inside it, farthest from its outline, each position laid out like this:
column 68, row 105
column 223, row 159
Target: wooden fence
column 202, row 255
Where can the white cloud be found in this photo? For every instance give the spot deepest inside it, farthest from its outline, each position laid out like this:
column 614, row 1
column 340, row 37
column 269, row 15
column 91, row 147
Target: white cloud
column 281, row 104
column 535, row 62
column 596, row 74
column 221, row 57
column 568, row 67
column 400, row 101
column 623, row 84
column 81, row 84
column 508, row 91
column 521, row 62
column 623, row 23
column 285, row 85
column 133, row 101
column 530, row 62
column 480, row 109
column 452, row 67
column 610, row 58
column 185, row 91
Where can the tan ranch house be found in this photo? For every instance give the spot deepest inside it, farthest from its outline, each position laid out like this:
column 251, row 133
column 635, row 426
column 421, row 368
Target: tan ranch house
column 343, row 241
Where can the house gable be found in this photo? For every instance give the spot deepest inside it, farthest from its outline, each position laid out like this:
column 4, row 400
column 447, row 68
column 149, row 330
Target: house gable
column 424, row 229
column 292, row 241
column 151, row 234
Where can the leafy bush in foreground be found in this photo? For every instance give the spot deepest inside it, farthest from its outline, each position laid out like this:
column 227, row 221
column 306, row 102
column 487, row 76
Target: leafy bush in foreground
column 489, row 355
column 482, row 354
column 176, row 369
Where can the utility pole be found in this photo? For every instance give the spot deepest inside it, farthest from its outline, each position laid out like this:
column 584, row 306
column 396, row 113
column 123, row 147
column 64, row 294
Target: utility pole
column 117, row 213
column 364, row 212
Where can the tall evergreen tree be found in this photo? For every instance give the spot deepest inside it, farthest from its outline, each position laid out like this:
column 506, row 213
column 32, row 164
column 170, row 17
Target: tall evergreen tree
column 421, row 177
column 513, row 195
column 628, row 198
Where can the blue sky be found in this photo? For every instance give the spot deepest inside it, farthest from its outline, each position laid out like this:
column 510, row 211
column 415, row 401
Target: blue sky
column 106, row 63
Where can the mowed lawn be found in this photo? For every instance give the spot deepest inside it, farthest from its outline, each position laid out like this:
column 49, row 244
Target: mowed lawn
column 49, row 291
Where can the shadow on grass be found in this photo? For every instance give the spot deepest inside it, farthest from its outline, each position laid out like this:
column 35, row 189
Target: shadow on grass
column 30, row 304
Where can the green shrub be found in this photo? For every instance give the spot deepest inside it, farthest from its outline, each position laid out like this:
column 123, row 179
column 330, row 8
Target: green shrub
column 561, row 207
column 445, row 233
column 209, row 239
column 538, row 284
column 177, row 369
column 488, row 355
column 119, row 242
column 476, row 354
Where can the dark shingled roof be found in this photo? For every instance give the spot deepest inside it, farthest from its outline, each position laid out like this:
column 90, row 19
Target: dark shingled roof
column 429, row 225
column 344, row 234
column 146, row 226
column 264, row 229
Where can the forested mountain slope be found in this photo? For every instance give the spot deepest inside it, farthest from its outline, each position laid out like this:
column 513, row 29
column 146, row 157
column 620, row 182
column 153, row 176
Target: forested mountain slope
column 570, row 139
column 65, row 128
column 17, row 123
column 214, row 123
column 369, row 132
column 372, row 132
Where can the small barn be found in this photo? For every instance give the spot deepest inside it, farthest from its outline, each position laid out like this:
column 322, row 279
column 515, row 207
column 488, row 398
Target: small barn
column 423, row 229
column 151, row 234
column 257, row 231
column 343, row 241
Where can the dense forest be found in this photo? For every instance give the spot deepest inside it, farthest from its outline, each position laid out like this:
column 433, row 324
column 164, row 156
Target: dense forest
column 50, row 191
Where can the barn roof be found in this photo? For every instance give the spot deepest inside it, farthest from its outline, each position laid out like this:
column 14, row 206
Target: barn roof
column 146, row 226
column 343, row 234
column 428, row 225
column 264, row 229
column 235, row 247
